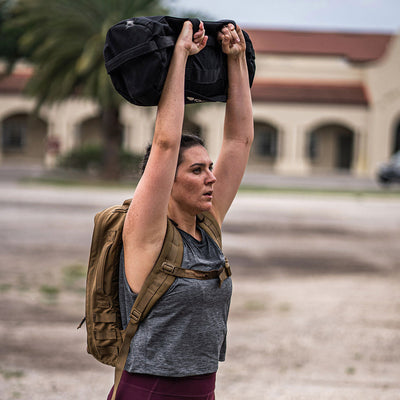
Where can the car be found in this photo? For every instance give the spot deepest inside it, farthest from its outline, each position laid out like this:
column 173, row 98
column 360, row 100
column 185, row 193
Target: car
column 389, row 172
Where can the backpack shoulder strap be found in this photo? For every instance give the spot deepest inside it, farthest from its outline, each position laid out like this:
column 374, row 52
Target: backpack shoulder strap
column 207, row 222
column 211, row 226
column 157, row 282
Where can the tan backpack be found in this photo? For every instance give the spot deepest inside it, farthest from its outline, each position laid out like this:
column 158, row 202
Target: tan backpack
column 106, row 340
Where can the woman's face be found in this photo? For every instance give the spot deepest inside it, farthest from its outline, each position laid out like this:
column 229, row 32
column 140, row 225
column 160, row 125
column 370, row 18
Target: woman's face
column 193, row 187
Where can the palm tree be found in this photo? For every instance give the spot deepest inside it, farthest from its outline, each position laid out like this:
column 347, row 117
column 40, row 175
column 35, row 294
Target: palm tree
column 66, row 40
column 9, row 33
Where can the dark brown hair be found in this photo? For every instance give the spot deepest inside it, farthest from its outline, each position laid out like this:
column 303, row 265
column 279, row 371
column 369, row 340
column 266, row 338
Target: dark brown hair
column 187, row 141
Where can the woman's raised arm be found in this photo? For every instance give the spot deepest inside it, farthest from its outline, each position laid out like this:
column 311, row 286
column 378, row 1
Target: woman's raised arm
column 238, row 126
column 146, row 220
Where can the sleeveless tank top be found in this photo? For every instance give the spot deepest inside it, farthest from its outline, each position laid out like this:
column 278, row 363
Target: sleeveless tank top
column 185, row 332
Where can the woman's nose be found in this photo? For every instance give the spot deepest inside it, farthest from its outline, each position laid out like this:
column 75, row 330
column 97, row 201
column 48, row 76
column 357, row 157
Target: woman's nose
column 211, row 177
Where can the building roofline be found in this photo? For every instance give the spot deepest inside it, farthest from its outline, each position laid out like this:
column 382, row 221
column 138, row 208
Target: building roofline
column 340, row 93
column 354, row 46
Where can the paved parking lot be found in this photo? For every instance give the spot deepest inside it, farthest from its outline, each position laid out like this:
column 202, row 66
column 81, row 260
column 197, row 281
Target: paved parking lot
column 315, row 312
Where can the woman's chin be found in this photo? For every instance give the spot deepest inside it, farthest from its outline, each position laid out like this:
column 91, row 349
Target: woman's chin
column 206, row 206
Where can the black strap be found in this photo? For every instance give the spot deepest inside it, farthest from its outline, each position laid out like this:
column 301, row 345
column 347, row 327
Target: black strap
column 138, row 51
column 221, row 273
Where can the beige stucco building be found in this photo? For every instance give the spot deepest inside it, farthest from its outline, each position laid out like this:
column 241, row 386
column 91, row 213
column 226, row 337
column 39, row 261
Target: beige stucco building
column 322, row 102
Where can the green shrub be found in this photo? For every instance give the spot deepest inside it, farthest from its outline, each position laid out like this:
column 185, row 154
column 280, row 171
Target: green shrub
column 74, row 277
column 89, row 158
column 130, row 162
column 82, row 158
column 50, row 293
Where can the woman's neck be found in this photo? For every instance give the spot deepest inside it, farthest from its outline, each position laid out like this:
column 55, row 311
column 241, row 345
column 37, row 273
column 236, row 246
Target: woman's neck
column 185, row 221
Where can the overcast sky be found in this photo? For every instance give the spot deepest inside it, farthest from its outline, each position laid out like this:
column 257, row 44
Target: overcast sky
column 344, row 15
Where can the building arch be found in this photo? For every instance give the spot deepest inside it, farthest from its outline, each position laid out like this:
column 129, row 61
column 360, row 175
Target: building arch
column 338, row 120
column 13, row 105
column 20, row 107
column 261, row 115
column 23, row 138
column 78, row 110
column 330, row 147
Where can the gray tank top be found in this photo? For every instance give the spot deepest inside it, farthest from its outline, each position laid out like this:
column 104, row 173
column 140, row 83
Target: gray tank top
column 185, row 332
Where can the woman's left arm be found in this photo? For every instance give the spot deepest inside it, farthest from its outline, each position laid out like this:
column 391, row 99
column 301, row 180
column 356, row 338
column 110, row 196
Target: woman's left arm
column 238, row 125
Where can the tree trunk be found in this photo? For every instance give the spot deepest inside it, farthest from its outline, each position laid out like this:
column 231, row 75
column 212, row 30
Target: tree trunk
column 112, row 142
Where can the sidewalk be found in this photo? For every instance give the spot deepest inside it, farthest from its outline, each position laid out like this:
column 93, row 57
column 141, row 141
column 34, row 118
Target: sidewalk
column 334, row 181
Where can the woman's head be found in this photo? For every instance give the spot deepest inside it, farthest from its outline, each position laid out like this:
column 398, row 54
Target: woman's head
column 187, row 141
column 193, row 186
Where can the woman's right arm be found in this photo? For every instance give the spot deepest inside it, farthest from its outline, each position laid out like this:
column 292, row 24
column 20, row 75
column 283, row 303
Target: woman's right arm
column 146, row 220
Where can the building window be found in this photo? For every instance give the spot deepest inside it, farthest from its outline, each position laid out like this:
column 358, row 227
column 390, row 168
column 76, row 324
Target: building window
column 396, row 144
column 265, row 140
column 313, row 146
column 14, row 134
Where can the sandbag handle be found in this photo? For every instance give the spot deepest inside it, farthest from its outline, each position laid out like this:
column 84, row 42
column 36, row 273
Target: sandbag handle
column 138, row 51
column 212, row 27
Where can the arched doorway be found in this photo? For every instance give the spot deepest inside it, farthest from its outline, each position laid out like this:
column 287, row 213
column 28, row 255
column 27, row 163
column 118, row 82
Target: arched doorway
column 264, row 151
column 396, row 139
column 331, row 148
column 23, row 138
column 90, row 132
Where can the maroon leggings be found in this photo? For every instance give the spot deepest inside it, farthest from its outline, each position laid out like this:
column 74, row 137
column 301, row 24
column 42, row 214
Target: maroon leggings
column 149, row 387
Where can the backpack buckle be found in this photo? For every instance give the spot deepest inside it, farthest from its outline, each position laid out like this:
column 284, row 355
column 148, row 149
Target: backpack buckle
column 225, row 273
column 135, row 315
column 168, row 268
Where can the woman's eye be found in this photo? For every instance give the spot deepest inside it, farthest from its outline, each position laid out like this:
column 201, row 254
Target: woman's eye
column 197, row 171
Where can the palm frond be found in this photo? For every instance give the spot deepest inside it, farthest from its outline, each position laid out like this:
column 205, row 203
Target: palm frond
column 66, row 39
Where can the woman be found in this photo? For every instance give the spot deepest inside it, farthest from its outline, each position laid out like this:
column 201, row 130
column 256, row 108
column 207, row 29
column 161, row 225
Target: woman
column 178, row 346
